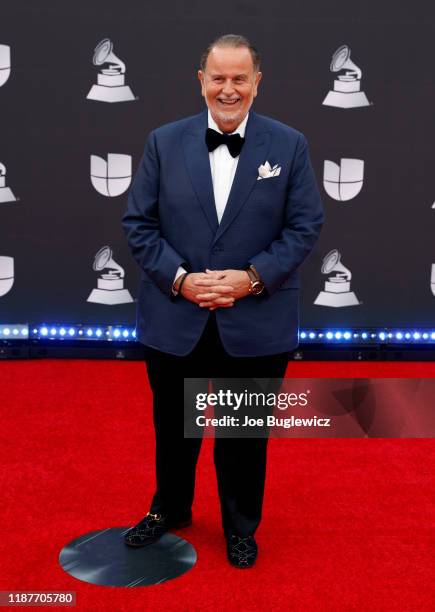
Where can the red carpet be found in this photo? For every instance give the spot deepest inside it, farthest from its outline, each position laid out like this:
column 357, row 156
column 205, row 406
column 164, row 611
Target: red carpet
column 348, row 524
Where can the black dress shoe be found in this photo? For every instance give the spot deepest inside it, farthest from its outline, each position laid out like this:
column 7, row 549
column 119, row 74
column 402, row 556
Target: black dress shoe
column 241, row 552
column 152, row 527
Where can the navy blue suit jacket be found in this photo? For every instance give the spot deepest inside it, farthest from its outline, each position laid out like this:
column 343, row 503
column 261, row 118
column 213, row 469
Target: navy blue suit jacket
column 271, row 223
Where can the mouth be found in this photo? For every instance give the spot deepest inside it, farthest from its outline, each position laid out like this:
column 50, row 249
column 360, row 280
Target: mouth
column 231, row 102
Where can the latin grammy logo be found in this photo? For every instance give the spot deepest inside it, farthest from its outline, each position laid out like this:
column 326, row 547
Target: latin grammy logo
column 337, row 291
column 111, row 79
column 6, row 194
column 343, row 182
column 5, row 63
column 110, row 286
column 113, row 177
column 6, row 274
column 346, row 92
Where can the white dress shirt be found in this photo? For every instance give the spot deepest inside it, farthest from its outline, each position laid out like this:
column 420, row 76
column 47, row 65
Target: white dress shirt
column 223, row 169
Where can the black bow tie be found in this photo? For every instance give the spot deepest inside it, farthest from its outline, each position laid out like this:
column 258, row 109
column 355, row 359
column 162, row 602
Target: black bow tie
column 234, row 142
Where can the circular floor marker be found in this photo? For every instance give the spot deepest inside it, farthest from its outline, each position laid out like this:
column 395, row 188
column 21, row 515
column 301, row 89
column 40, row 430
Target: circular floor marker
column 102, row 557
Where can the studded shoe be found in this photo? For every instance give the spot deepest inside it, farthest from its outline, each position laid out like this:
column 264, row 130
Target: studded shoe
column 242, row 552
column 151, row 528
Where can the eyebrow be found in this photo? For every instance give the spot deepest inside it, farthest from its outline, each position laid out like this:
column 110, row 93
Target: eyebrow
column 237, row 76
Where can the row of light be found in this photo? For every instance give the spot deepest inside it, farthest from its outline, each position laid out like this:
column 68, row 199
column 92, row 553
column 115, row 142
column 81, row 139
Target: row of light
column 83, row 332
column 384, row 336
column 122, row 333
column 14, row 332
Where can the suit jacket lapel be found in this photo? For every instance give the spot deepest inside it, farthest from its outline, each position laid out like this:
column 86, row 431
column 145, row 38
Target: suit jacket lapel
column 198, row 165
column 253, row 154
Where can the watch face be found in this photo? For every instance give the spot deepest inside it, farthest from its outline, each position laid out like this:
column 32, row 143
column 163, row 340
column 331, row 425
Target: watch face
column 257, row 287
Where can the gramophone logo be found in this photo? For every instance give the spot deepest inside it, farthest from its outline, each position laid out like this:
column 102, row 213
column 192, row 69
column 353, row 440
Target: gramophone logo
column 111, row 85
column 337, row 291
column 6, row 194
column 343, row 182
column 5, row 63
column 432, row 278
column 113, row 177
column 110, row 285
column 6, row 274
column 347, row 85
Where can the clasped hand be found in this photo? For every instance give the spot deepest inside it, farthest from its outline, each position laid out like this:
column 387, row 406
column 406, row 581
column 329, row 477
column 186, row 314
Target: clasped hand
column 216, row 288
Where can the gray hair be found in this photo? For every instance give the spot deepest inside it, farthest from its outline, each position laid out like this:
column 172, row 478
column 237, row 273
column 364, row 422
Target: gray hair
column 232, row 40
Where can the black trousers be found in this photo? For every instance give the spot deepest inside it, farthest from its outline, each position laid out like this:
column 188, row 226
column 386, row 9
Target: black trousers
column 240, row 462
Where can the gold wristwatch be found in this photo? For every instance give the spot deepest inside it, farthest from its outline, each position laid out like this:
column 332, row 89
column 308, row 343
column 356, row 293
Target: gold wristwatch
column 257, row 284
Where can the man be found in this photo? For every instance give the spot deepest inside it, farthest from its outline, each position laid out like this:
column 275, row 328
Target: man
column 222, row 211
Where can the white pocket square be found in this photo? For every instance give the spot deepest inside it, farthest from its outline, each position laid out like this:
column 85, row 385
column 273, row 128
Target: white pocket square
column 266, row 171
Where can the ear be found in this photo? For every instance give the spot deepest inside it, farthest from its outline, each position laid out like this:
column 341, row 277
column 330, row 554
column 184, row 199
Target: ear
column 257, row 79
column 201, row 78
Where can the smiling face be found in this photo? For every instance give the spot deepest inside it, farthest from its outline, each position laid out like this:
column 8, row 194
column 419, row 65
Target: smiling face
column 229, row 85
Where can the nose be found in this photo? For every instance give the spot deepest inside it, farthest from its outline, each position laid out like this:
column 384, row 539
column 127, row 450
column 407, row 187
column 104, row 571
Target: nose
column 228, row 87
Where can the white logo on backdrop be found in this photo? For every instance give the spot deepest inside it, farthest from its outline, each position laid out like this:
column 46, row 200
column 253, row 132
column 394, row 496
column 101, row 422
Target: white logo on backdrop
column 6, row 194
column 5, row 63
column 337, row 291
column 346, row 92
column 6, row 274
column 110, row 286
column 111, row 85
column 432, row 278
column 113, row 177
column 343, row 182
